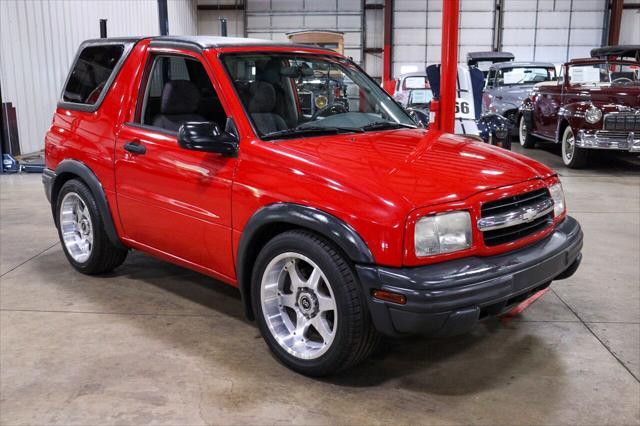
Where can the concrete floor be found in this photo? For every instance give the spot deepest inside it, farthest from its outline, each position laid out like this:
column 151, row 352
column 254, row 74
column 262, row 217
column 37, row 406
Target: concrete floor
column 154, row 343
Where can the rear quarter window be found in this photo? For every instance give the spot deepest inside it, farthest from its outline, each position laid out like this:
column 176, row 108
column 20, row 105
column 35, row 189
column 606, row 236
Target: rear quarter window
column 92, row 73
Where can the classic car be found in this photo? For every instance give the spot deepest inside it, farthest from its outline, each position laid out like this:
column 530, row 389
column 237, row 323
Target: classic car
column 595, row 104
column 408, row 82
column 508, row 83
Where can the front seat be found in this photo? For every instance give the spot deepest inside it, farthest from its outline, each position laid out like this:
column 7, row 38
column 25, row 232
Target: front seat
column 178, row 105
column 262, row 102
column 270, row 72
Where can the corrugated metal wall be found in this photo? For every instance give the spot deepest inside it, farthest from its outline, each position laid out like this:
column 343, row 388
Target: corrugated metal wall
column 183, row 17
column 39, row 38
column 418, row 31
column 630, row 27
column 543, row 30
column 552, row 30
column 273, row 19
column 208, row 23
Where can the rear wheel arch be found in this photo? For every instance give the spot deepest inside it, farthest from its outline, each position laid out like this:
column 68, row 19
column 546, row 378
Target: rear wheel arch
column 74, row 169
column 277, row 218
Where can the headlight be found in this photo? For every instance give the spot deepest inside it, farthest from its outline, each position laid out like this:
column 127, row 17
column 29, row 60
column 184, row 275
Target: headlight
column 501, row 131
column 557, row 195
column 442, row 233
column 593, row 115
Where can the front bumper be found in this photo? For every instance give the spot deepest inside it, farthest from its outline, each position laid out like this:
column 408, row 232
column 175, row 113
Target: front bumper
column 452, row 297
column 613, row 140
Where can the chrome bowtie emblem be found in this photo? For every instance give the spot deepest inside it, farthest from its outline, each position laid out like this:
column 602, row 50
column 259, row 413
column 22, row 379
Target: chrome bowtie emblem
column 529, row 215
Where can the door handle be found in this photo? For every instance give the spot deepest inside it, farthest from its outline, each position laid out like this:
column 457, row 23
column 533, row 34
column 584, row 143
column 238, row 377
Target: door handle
column 135, row 147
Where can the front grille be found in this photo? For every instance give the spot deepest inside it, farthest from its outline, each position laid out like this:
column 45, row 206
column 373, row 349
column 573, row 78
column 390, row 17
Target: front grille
column 505, row 205
column 623, row 122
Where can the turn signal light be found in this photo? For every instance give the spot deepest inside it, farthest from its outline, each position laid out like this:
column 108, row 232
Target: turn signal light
column 387, row 296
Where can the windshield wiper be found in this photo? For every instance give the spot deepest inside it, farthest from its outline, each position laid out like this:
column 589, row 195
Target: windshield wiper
column 380, row 125
column 311, row 130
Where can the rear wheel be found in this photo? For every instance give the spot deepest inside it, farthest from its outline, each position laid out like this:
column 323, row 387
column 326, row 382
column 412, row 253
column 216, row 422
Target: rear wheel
column 81, row 231
column 573, row 156
column 309, row 306
column 527, row 140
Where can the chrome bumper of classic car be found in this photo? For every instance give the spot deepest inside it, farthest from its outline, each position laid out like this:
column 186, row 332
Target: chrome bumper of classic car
column 604, row 139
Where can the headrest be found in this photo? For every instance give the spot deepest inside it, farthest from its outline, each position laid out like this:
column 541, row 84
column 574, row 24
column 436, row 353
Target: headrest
column 269, row 71
column 262, row 97
column 296, row 71
column 179, row 97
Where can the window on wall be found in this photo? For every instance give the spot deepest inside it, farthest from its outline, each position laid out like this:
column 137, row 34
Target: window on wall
column 91, row 72
column 178, row 91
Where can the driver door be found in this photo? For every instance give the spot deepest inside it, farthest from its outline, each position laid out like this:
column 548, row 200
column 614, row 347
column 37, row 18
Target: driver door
column 174, row 201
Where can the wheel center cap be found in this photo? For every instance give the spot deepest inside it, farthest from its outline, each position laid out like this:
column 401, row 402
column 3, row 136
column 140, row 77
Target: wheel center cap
column 307, row 302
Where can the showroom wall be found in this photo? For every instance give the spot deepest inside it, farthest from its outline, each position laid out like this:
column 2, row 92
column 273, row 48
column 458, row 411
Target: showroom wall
column 273, row 19
column 630, row 25
column 542, row 30
column 39, row 38
column 208, row 23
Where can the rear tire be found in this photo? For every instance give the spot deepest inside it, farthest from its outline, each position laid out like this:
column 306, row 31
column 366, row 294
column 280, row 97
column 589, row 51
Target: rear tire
column 527, row 140
column 81, row 231
column 572, row 156
column 309, row 306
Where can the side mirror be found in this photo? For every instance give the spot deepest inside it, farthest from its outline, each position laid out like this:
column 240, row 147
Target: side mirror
column 206, row 136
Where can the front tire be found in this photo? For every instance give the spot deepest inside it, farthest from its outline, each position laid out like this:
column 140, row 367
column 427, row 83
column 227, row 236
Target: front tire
column 527, row 140
column 573, row 156
column 81, row 231
column 309, row 307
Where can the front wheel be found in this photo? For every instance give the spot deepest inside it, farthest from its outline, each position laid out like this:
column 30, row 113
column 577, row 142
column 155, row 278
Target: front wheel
column 573, row 156
column 527, row 140
column 309, row 307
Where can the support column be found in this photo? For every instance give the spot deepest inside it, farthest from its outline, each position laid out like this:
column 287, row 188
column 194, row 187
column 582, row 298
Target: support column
column 387, row 51
column 615, row 22
column 449, row 67
column 163, row 17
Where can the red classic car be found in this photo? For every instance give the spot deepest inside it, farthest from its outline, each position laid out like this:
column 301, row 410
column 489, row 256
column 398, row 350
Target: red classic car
column 337, row 225
column 595, row 104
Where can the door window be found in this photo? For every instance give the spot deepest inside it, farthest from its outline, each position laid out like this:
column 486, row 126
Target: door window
column 178, row 90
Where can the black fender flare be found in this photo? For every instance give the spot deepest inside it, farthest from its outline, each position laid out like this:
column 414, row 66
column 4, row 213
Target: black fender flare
column 299, row 216
column 82, row 171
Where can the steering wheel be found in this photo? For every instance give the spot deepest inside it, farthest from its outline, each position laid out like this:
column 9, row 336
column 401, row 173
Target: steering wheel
column 622, row 80
column 336, row 108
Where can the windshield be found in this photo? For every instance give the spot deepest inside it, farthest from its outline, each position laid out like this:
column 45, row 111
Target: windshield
column 605, row 74
column 524, row 75
column 291, row 95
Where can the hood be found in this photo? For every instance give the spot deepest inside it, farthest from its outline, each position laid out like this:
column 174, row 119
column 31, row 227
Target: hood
column 626, row 96
column 419, row 166
column 513, row 94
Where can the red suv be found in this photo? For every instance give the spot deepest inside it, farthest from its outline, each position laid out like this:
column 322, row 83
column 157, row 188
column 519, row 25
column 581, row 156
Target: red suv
column 336, row 217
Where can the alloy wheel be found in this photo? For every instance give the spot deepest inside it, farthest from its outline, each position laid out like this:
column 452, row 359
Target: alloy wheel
column 299, row 305
column 76, row 227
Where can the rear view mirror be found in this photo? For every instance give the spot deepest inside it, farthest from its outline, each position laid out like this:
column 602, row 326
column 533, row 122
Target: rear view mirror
column 206, row 136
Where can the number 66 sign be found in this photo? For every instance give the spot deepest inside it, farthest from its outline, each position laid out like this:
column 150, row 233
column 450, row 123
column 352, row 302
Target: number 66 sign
column 464, row 109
